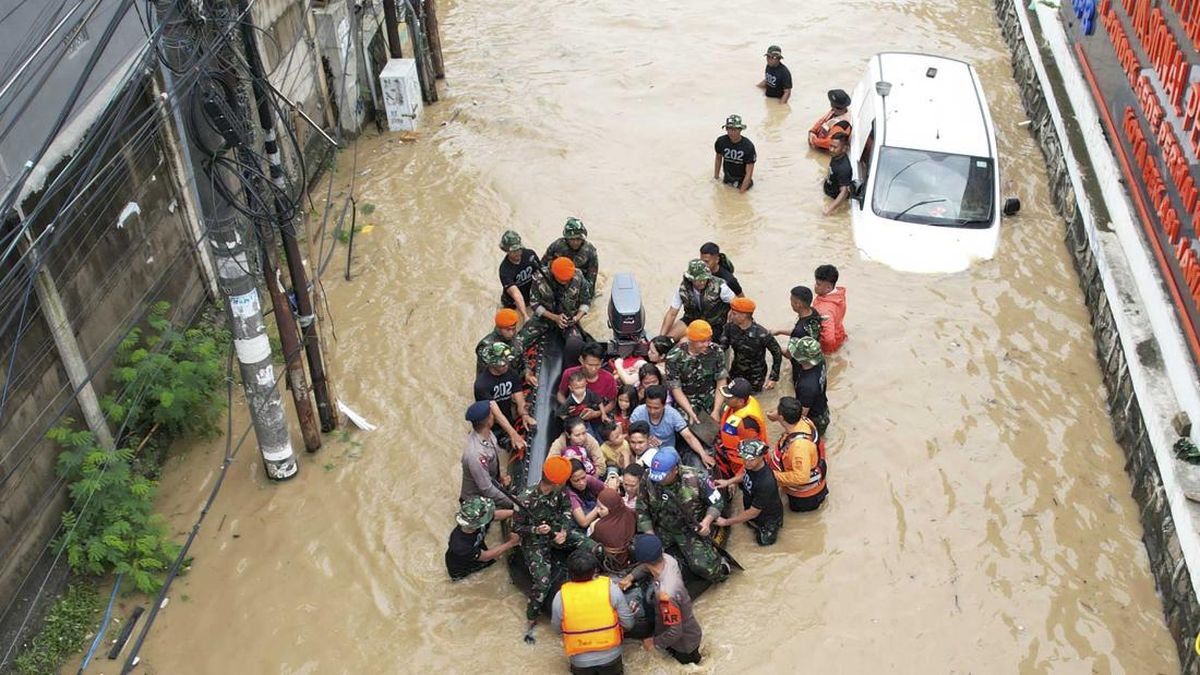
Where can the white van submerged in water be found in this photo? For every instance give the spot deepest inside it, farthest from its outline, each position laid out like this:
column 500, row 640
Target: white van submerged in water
column 925, row 165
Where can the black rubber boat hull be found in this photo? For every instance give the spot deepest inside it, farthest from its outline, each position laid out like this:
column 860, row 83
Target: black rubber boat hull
column 549, row 362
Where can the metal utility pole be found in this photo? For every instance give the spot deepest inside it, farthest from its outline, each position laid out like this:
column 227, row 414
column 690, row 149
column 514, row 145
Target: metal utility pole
column 416, row 34
column 434, row 37
column 227, row 231
column 285, row 322
column 391, row 19
column 283, row 212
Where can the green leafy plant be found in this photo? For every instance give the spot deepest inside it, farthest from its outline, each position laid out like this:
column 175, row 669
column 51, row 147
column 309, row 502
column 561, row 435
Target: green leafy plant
column 111, row 525
column 169, row 379
column 68, row 626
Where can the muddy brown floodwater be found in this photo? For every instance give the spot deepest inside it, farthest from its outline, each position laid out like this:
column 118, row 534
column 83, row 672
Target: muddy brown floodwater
column 979, row 518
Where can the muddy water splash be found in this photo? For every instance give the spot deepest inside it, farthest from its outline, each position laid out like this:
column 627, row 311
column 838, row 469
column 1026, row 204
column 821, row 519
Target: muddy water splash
column 979, row 518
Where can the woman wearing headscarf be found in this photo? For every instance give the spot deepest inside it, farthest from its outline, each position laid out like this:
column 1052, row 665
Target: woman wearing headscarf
column 614, row 531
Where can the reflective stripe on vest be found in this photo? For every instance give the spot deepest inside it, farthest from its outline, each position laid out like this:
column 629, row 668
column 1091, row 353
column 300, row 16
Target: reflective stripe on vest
column 780, row 460
column 589, row 622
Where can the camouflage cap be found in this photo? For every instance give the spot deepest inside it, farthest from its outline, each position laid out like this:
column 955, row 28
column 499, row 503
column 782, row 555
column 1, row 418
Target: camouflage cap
column 475, row 512
column 497, row 354
column 697, row 271
column 751, row 448
column 805, row 350
column 574, row 229
column 510, row 241
column 734, row 121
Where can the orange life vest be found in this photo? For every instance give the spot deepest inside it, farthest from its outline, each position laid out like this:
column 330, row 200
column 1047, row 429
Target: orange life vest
column 732, row 433
column 589, row 622
column 781, row 459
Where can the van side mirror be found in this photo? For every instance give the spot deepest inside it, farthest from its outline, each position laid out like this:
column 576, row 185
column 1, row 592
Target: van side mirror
column 1011, row 206
column 857, row 193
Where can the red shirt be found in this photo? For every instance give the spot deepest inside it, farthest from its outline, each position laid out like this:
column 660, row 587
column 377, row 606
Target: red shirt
column 605, row 385
column 832, row 306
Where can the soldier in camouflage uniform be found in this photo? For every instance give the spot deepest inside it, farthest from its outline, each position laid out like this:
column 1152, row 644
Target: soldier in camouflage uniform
column 750, row 342
column 809, row 379
column 559, row 301
column 680, row 504
column 574, row 245
column 543, row 521
column 696, row 373
column 701, row 296
column 506, row 333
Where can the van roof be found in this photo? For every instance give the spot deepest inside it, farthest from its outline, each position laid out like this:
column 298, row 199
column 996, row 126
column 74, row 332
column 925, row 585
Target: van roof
column 943, row 113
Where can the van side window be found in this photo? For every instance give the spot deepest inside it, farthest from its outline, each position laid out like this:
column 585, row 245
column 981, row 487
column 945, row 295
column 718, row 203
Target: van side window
column 864, row 160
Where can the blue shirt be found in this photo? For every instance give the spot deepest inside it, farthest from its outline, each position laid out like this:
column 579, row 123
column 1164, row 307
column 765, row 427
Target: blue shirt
column 672, row 422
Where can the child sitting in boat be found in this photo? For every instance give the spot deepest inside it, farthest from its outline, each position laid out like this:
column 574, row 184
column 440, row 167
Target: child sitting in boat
column 627, row 400
column 616, row 450
column 577, row 453
column 581, row 402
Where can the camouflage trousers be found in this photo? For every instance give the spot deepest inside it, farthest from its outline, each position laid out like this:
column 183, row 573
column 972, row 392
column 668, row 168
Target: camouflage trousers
column 755, row 376
column 702, row 404
column 539, row 560
column 700, row 554
column 535, row 329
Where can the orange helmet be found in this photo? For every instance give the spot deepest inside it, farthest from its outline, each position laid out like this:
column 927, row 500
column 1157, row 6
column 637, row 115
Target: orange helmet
column 699, row 331
column 563, row 269
column 743, row 305
column 507, row 318
column 557, row 469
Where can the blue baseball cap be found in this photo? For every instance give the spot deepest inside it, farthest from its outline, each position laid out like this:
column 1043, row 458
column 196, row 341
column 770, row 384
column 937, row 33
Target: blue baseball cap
column 647, row 548
column 478, row 411
column 664, row 460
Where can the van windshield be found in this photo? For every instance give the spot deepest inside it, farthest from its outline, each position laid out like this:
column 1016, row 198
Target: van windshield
column 934, row 188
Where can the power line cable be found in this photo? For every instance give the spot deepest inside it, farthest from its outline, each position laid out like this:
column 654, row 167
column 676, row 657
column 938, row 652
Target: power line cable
column 105, row 358
column 118, row 438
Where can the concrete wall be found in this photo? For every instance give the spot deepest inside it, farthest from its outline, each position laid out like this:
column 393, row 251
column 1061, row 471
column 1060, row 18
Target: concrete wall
column 293, row 62
column 125, row 245
column 130, row 240
column 1141, row 395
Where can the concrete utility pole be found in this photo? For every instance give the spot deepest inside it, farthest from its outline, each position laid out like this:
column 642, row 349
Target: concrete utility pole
column 227, row 230
column 68, row 347
column 289, row 339
column 291, row 247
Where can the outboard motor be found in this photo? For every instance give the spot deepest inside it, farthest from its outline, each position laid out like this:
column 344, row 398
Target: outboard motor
column 626, row 317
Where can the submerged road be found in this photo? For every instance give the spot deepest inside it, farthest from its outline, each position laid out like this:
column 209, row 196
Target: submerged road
column 979, row 518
